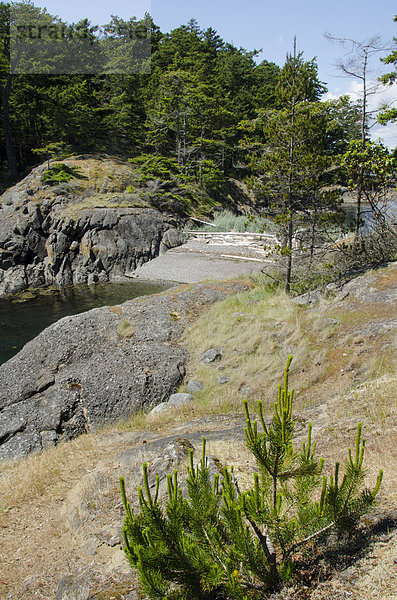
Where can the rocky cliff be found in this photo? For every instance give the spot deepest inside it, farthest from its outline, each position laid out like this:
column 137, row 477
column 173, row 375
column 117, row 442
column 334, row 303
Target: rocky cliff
column 87, row 230
column 97, row 367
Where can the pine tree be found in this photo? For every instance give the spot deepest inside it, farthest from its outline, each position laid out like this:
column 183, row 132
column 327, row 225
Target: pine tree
column 290, row 158
column 221, row 543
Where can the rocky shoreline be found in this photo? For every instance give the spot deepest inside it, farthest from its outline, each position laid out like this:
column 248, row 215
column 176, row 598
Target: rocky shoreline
column 46, row 238
column 97, row 367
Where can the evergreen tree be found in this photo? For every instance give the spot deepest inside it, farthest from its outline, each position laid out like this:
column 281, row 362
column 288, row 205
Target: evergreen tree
column 222, row 543
column 291, row 158
column 83, row 95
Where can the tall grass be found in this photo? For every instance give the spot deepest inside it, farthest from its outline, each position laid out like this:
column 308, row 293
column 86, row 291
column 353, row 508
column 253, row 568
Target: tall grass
column 227, row 221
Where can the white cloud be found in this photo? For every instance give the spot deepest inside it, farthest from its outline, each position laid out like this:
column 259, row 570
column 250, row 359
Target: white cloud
column 386, row 133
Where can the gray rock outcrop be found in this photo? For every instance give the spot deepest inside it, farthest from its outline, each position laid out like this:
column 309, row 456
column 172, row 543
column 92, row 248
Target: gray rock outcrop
column 86, row 370
column 46, row 238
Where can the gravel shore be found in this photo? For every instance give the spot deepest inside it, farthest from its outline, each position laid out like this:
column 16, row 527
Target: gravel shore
column 196, row 261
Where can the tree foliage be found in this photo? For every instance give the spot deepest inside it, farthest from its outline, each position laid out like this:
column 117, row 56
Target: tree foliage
column 372, row 167
column 219, row 542
column 389, row 113
column 186, row 103
column 201, row 104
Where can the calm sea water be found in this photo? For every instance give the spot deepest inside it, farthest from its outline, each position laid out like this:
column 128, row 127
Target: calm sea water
column 367, row 215
column 21, row 321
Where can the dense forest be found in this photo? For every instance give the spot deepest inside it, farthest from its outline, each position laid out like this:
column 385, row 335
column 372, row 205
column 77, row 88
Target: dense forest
column 192, row 104
column 188, row 106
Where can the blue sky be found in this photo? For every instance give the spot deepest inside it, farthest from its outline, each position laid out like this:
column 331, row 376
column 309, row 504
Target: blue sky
column 265, row 24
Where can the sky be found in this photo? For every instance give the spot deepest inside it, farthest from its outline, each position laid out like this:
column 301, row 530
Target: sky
column 269, row 26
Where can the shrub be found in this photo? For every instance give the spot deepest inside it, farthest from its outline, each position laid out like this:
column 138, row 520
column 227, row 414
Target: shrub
column 153, row 166
column 60, row 173
column 221, row 543
column 374, row 248
column 225, row 220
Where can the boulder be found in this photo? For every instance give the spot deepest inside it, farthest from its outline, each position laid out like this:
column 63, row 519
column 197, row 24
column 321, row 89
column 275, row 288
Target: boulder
column 174, row 400
column 212, row 355
column 179, row 399
column 194, row 386
column 80, row 373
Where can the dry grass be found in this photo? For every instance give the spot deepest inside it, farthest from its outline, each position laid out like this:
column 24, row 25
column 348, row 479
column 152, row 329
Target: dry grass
column 48, row 473
column 106, row 201
column 375, row 399
column 257, row 330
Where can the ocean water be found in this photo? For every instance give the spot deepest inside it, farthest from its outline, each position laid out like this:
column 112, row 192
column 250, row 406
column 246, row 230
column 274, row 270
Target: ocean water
column 22, row 318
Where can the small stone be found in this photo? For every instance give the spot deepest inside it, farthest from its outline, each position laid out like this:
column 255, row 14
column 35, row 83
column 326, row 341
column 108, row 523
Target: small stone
column 341, row 296
column 178, row 399
column 223, row 379
column 348, row 575
column 162, row 407
column 113, row 541
column 174, row 400
column 194, row 386
column 212, row 355
column 110, row 538
column 308, row 298
column 73, row 588
column 331, row 321
column 332, row 287
column 90, row 546
column 48, row 439
column 245, row 390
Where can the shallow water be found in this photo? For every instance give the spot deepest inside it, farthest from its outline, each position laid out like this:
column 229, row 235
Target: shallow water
column 22, row 319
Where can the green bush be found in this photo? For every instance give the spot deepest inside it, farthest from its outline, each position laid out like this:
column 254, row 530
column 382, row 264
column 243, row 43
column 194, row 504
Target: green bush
column 60, row 173
column 153, row 166
column 220, row 543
